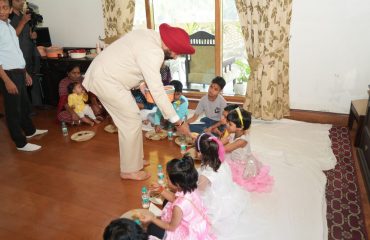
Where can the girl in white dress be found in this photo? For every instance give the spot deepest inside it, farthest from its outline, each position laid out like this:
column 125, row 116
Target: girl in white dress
column 225, row 201
column 247, row 170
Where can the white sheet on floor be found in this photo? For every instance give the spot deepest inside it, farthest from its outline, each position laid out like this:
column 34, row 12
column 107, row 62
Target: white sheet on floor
column 297, row 153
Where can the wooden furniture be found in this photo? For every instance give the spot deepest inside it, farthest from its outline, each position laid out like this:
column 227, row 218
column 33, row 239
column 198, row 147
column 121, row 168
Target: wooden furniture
column 200, row 67
column 357, row 112
column 363, row 151
column 52, row 71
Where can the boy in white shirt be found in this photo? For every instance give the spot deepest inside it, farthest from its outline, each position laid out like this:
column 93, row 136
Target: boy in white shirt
column 211, row 104
column 14, row 79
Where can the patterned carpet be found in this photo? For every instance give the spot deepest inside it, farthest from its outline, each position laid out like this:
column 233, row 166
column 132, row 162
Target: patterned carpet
column 344, row 210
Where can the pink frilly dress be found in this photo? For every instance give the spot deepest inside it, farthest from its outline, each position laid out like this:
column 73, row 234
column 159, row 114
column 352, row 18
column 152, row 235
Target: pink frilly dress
column 194, row 224
column 247, row 170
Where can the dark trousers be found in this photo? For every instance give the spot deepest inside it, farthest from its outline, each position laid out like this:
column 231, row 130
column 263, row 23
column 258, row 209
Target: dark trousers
column 199, row 128
column 17, row 109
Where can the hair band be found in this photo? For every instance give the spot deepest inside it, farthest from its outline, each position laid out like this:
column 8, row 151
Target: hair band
column 240, row 116
column 198, row 142
column 221, row 149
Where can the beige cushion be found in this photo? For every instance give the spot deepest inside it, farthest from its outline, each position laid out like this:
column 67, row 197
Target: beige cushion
column 201, row 78
column 360, row 106
column 202, row 65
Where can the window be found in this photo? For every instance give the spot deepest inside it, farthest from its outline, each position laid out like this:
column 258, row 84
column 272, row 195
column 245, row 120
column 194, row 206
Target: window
column 197, row 71
column 193, row 16
column 140, row 15
column 233, row 44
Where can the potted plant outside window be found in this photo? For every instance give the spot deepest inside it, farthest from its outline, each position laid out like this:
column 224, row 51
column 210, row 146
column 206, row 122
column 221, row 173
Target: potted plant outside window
column 240, row 86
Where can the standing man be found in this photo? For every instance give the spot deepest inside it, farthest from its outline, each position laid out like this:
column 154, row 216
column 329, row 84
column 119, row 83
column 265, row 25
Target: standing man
column 27, row 36
column 125, row 64
column 13, row 81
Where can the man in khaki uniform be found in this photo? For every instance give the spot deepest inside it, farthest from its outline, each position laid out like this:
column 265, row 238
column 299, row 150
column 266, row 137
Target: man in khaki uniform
column 125, row 64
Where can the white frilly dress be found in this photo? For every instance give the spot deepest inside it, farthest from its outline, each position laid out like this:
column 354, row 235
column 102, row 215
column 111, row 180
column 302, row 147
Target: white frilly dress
column 226, row 202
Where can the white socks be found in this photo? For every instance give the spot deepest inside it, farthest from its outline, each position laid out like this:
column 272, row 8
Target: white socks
column 30, row 147
column 37, row 132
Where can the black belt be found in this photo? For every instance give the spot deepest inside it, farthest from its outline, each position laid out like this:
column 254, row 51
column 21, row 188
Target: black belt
column 16, row 70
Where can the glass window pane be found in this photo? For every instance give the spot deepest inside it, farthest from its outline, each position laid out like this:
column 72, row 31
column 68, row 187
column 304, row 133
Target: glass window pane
column 193, row 16
column 233, row 47
column 140, row 15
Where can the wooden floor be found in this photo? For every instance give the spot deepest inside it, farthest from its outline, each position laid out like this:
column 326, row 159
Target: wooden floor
column 71, row 190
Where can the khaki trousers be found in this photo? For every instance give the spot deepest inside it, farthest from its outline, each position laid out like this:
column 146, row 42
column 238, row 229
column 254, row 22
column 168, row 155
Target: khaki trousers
column 125, row 113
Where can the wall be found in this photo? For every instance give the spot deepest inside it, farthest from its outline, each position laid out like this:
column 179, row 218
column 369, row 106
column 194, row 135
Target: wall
column 72, row 23
column 329, row 52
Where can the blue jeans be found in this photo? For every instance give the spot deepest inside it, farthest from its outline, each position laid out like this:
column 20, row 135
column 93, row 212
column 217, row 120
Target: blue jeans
column 199, row 128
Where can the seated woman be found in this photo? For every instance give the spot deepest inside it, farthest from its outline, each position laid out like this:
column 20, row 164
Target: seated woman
column 64, row 112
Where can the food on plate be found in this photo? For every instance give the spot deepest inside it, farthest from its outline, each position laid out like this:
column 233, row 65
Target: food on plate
column 156, row 136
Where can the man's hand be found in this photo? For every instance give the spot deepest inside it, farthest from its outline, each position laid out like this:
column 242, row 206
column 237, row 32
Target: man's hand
column 142, row 88
column 11, row 87
column 33, row 35
column 25, row 19
column 28, row 80
column 183, row 129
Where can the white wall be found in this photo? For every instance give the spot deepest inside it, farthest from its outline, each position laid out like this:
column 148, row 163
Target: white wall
column 329, row 49
column 72, row 23
column 329, row 54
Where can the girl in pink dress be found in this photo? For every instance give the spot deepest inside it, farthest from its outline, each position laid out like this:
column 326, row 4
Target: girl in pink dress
column 246, row 169
column 184, row 216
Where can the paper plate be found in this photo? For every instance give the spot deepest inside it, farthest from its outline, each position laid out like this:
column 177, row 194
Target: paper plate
column 82, row 136
column 152, row 135
column 156, row 200
column 111, row 128
column 189, row 141
column 133, row 214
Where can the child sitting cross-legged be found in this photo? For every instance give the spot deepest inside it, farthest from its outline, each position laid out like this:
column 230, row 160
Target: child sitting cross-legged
column 211, row 105
column 77, row 99
column 180, row 104
column 184, row 216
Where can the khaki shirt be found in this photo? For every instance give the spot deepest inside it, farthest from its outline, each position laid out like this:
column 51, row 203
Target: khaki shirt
column 136, row 57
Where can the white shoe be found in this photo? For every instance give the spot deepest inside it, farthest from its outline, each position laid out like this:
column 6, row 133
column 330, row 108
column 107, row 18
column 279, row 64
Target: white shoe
column 29, row 147
column 37, row 132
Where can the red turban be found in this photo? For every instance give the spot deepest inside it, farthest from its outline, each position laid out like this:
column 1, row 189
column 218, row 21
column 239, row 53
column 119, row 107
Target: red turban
column 176, row 39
